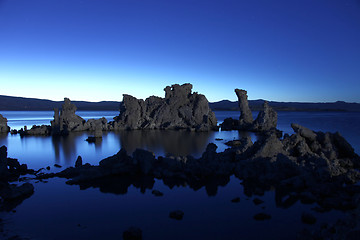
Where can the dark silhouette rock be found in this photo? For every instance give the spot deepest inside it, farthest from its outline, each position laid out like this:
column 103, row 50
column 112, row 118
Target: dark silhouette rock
column 180, row 109
column 12, row 195
column 308, row 218
column 14, row 192
column 157, row 193
column 178, row 214
column 133, row 233
column 262, row 216
column 257, row 201
column 4, row 128
column 78, row 162
column 235, row 200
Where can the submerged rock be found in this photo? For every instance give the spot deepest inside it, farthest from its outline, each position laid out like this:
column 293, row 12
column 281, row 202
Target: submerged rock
column 262, row 216
column 132, row 233
column 308, row 218
column 178, row 214
column 180, row 109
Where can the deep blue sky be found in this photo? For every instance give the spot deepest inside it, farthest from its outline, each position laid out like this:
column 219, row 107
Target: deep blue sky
column 282, row 50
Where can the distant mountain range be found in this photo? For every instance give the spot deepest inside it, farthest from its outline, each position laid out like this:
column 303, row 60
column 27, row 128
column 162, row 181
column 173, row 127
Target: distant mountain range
column 8, row 103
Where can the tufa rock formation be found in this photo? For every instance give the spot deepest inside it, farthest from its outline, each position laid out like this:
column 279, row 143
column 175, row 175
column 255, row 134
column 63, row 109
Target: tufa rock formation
column 246, row 117
column 265, row 121
column 3, row 125
column 68, row 121
column 180, row 109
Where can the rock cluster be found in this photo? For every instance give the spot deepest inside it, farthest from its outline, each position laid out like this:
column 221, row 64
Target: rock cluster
column 10, row 170
column 180, row 109
column 3, row 125
column 265, row 121
column 67, row 121
column 308, row 166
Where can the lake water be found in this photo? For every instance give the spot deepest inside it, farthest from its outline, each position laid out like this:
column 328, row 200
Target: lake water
column 59, row 211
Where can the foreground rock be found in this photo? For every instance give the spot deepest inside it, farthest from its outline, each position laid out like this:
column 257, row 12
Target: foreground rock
column 307, row 166
column 12, row 195
column 265, row 121
column 180, row 109
column 4, row 128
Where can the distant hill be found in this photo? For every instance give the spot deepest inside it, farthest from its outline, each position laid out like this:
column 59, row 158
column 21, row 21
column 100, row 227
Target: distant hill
column 256, row 105
column 8, row 103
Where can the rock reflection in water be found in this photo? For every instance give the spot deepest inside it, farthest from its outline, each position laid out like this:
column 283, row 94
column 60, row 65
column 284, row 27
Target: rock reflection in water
column 161, row 142
column 120, row 184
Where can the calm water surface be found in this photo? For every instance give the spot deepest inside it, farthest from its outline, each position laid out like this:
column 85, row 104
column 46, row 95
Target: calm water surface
column 59, row 211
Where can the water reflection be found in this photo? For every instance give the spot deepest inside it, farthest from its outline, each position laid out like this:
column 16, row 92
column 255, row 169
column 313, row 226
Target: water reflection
column 121, row 184
column 178, row 143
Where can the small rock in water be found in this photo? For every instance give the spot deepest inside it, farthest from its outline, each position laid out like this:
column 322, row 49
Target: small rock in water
column 57, row 165
column 78, row 162
column 235, row 200
column 218, row 139
column 91, row 139
column 48, row 168
column 133, row 233
column 178, row 214
column 257, row 201
column 308, row 218
column 157, row 193
column 262, row 216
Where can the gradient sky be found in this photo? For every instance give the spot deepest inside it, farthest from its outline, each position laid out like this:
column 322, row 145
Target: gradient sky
column 281, row 50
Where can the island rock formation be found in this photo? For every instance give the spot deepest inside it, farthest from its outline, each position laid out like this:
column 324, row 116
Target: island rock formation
column 265, row 121
column 180, row 109
column 67, row 121
column 4, row 128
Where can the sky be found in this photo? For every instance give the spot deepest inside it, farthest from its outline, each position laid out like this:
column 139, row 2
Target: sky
column 95, row 50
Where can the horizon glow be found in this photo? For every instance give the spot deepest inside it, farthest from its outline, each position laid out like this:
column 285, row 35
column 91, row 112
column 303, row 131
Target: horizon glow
column 97, row 51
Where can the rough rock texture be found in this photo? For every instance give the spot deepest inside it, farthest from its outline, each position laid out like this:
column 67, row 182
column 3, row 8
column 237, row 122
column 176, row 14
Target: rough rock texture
column 246, row 117
column 265, row 121
column 3, row 125
column 180, row 109
column 68, row 121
